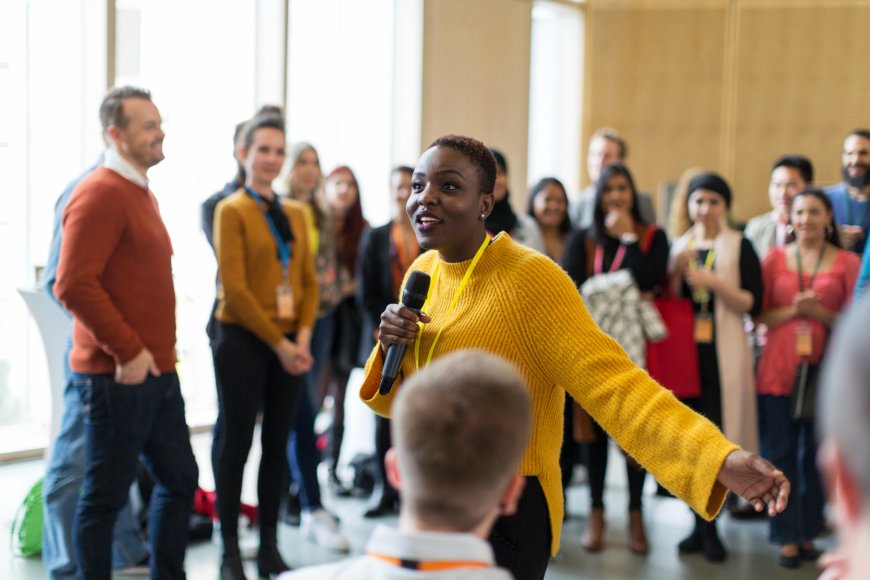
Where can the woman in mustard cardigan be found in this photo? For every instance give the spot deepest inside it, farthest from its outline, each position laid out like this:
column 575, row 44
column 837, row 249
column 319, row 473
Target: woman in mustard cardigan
column 267, row 304
column 495, row 295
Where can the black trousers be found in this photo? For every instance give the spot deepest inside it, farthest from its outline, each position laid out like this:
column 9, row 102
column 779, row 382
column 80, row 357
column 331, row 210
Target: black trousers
column 250, row 379
column 597, row 466
column 521, row 542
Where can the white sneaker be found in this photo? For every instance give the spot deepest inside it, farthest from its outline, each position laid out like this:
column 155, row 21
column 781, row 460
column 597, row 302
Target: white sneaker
column 321, row 528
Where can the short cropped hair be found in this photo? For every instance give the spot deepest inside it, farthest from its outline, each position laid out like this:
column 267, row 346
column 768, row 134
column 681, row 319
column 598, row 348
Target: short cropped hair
column 477, row 153
column 612, row 135
column 261, row 121
column 112, row 107
column 460, row 428
column 863, row 133
column 844, row 415
column 402, row 169
column 803, row 165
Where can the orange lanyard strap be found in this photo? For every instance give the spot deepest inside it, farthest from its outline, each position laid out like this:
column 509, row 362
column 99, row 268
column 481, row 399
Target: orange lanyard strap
column 456, row 295
column 433, row 566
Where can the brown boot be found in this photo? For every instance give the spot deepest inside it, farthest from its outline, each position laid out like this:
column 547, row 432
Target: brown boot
column 636, row 535
column 593, row 537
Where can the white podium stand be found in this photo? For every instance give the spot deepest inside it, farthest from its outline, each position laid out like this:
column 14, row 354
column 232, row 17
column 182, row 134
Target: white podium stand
column 54, row 328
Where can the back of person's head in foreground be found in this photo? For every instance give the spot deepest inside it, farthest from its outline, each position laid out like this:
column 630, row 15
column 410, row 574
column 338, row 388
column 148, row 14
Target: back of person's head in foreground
column 845, row 426
column 460, row 427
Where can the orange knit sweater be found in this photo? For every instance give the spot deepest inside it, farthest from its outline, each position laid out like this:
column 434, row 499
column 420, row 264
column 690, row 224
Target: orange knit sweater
column 115, row 275
column 521, row 306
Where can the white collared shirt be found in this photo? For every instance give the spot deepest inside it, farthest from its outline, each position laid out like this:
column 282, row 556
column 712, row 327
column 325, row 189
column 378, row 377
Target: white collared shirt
column 417, row 546
column 122, row 167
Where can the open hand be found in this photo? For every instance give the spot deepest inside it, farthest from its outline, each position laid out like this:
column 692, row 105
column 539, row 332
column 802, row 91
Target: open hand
column 756, row 480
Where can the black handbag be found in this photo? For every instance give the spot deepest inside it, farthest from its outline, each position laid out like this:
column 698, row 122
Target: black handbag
column 803, row 396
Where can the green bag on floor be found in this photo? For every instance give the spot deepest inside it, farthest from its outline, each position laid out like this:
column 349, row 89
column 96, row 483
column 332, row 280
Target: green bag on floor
column 27, row 526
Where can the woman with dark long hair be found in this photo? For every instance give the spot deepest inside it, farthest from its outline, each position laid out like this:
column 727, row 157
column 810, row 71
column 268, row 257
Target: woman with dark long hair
column 619, row 239
column 548, row 206
column 807, row 284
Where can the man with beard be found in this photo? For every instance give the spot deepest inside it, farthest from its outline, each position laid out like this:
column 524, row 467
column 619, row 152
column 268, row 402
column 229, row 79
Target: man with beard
column 851, row 197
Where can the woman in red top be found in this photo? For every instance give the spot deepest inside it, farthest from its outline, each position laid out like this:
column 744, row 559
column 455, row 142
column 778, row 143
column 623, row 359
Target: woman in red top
column 806, row 285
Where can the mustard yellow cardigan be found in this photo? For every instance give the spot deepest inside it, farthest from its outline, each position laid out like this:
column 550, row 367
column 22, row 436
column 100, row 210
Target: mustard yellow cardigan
column 521, row 306
column 249, row 269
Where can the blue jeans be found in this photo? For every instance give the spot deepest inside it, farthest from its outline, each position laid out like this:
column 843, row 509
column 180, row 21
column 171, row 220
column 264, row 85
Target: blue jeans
column 61, row 487
column 791, row 447
column 122, row 422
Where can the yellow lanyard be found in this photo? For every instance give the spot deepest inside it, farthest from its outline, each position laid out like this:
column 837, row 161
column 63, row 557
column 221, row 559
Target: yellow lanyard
column 456, row 295
column 702, row 296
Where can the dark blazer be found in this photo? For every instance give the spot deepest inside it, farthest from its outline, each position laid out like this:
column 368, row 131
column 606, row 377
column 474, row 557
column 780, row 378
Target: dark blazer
column 374, row 280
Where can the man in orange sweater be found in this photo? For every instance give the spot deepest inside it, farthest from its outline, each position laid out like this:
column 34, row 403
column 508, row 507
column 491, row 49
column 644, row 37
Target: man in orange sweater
column 115, row 277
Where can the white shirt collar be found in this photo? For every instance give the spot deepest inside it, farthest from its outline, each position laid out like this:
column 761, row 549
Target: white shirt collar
column 429, row 546
column 122, row 167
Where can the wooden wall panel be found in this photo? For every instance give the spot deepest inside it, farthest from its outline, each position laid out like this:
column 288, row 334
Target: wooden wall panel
column 656, row 75
column 728, row 85
column 802, row 83
column 476, row 76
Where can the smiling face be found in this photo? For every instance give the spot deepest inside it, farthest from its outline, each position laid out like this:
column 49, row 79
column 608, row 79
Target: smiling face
column 856, row 161
column 550, row 206
column 446, row 204
column 785, row 183
column 400, row 189
column 810, row 218
column 602, row 152
column 341, row 191
column 618, row 195
column 305, row 173
column 707, row 208
column 140, row 141
column 264, row 158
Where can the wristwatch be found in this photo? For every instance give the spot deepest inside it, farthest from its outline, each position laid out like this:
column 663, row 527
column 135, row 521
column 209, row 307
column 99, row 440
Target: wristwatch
column 628, row 238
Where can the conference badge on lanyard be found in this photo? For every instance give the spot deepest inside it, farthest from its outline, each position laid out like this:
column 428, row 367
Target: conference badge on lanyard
column 704, row 327
column 284, row 298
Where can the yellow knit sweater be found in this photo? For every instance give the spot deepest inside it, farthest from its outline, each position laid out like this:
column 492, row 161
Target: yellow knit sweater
column 520, row 305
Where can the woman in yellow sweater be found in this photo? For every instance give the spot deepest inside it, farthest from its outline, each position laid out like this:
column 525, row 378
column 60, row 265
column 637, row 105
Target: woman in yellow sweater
column 267, row 304
column 495, row 295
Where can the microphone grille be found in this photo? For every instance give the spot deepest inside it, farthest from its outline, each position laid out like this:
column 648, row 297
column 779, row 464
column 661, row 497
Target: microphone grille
column 418, row 282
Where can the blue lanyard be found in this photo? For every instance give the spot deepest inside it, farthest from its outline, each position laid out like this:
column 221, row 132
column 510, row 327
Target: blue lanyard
column 283, row 249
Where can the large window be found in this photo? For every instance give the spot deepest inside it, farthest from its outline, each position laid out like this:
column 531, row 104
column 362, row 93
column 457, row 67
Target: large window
column 354, row 83
column 48, row 134
column 352, row 71
column 556, row 92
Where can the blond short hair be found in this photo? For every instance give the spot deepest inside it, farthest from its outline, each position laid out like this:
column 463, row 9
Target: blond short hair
column 460, row 428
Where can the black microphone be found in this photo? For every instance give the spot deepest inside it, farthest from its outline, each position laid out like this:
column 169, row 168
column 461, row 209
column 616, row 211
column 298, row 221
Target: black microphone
column 413, row 296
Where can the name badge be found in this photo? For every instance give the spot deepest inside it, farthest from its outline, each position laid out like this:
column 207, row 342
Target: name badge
column 284, row 300
column 803, row 344
column 703, row 327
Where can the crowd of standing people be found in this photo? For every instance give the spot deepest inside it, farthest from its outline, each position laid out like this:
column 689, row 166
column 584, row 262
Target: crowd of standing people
column 306, row 289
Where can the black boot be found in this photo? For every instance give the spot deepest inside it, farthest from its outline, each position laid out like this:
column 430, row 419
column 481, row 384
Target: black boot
column 231, row 564
column 714, row 551
column 692, row 544
column 384, row 498
column 269, row 561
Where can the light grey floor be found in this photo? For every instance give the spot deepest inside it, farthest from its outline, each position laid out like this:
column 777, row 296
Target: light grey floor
column 667, row 520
